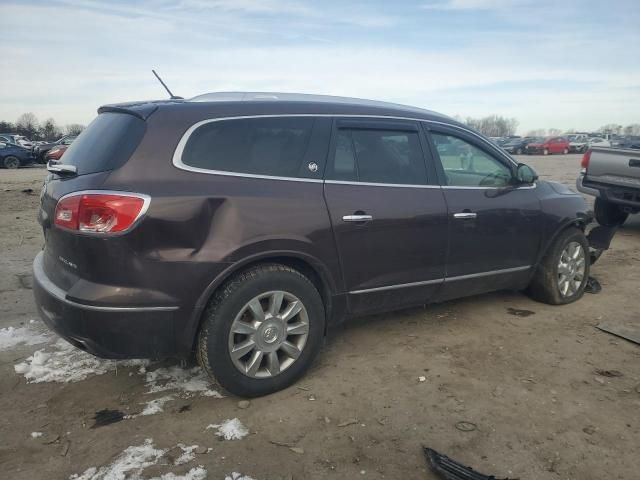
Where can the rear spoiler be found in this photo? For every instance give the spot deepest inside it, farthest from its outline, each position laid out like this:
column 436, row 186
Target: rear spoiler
column 142, row 110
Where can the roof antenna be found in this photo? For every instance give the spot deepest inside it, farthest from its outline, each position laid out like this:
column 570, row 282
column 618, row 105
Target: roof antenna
column 173, row 97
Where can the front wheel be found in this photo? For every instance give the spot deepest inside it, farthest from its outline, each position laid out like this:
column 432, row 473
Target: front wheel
column 562, row 275
column 262, row 330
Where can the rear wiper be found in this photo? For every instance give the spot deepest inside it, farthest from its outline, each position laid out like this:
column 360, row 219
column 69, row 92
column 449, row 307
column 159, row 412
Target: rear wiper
column 61, row 169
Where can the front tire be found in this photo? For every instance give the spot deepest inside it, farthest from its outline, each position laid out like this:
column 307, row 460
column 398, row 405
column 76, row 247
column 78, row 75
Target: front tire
column 562, row 275
column 262, row 330
column 608, row 214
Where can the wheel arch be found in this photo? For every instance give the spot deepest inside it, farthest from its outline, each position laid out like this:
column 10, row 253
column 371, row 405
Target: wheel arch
column 306, row 264
column 580, row 223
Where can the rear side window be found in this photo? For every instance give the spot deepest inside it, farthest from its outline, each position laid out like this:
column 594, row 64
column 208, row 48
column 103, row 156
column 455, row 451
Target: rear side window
column 378, row 156
column 106, row 144
column 259, row 146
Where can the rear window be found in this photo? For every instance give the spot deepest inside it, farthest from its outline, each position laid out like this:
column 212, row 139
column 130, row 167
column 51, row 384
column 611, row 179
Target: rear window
column 260, row 146
column 106, row 144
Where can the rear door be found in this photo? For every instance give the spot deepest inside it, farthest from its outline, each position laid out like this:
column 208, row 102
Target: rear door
column 388, row 213
column 494, row 234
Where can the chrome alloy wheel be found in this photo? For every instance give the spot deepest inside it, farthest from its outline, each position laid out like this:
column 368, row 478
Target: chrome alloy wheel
column 571, row 269
column 269, row 334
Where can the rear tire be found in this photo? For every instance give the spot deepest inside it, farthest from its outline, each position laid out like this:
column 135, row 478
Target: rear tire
column 609, row 214
column 245, row 304
column 11, row 162
column 559, row 267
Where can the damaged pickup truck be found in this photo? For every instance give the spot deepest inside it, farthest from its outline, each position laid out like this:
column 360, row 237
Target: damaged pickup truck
column 612, row 175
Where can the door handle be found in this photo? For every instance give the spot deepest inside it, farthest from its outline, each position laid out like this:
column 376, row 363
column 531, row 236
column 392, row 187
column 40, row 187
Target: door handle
column 463, row 215
column 357, row 218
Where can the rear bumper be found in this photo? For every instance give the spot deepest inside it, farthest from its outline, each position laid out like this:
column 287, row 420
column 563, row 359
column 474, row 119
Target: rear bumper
column 626, row 197
column 107, row 332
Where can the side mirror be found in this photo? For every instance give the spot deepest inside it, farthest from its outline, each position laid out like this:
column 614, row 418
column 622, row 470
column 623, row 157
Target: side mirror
column 525, row 174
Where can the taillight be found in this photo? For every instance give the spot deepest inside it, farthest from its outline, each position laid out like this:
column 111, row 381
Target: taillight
column 95, row 212
column 585, row 160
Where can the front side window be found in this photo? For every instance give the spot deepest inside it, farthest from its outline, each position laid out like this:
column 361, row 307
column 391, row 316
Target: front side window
column 378, row 156
column 466, row 165
column 261, row 146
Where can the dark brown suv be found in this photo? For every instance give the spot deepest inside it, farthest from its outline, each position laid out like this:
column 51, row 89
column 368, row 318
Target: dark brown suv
column 241, row 226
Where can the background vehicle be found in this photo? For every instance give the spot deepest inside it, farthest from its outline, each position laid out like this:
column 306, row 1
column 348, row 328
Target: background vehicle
column 241, row 228
column 629, row 141
column 598, row 142
column 577, row 142
column 15, row 140
column 42, row 149
column 14, row 156
column 612, row 175
column 518, row 146
column 548, row 146
column 55, row 153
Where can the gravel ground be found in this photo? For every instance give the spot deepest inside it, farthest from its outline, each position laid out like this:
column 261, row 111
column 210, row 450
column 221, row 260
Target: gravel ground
column 512, row 387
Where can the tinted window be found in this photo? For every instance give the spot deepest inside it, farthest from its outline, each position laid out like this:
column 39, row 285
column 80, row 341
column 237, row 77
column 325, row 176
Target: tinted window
column 466, row 165
column 378, row 156
column 262, row 146
column 106, row 144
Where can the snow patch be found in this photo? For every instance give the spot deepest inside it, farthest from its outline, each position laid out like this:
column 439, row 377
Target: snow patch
column 133, row 460
column 156, row 405
column 64, row 363
column 237, row 476
column 187, row 454
column 231, row 429
column 11, row 337
column 36, row 434
column 187, row 381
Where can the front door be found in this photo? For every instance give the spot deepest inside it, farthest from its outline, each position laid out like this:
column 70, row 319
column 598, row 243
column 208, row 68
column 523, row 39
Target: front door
column 389, row 217
column 494, row 229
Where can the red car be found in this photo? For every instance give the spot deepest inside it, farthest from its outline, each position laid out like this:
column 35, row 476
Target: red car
column 549, row 145
column 56, row 153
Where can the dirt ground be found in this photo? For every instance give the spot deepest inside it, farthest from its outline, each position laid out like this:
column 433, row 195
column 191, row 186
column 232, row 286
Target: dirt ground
column 541, row 392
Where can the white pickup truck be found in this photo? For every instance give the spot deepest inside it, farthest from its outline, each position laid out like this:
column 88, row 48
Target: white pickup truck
column 612, row 175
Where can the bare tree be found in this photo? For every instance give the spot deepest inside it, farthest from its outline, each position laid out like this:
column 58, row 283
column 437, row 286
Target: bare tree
column 553, row 132
column 49, row 130
column 27, row 125
column 73, row 129
column 540, row 132
column 493, row 125
column 611, row 128
column 633, row 129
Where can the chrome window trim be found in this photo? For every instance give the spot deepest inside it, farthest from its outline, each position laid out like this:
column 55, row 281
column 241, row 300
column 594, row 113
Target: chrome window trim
column 52, row 289
column 146, row 201
column 442, row 280
column 178, row 163
column 372, row 184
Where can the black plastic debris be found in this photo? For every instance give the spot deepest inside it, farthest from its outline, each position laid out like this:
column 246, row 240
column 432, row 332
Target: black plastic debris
column 107, row 417
column 519, row 312
column 449, row 469
column 592, row 286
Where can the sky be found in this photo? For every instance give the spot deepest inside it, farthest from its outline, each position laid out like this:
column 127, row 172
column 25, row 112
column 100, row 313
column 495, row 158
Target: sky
column 564, row 64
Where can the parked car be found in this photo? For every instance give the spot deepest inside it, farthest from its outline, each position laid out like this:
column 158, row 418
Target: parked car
column 518, row 146
column 41, row 150
column 15, row 140
column 578, row 142
column 55, row 153
column 630, row 141
column 14, row 156
column 598, row 142
column 241, row 228
column 549, row 145
column 612, row 175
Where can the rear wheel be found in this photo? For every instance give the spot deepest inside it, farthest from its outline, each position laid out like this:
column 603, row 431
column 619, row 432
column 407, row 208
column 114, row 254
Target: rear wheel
column 562, row 274
column 609, row 214
column 11, row 162
column 262, row 330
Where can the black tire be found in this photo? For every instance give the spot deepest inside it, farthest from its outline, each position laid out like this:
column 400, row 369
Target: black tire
column 213, row 339
column 544, row 286
column 11, row 162
column 519, row 151
column 609, row 214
